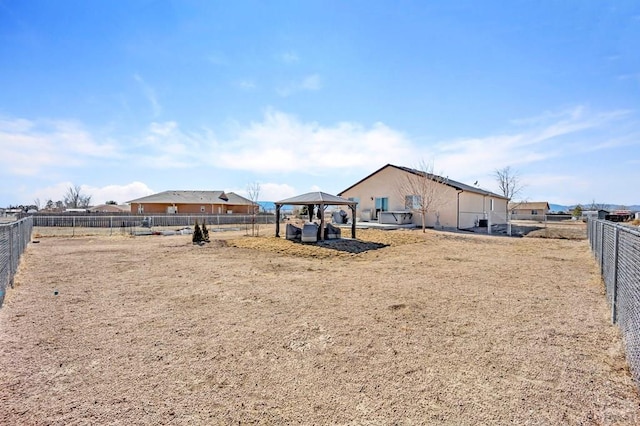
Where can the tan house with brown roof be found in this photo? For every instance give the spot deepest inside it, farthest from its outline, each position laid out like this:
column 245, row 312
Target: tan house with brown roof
column 110, row 208
column 205, row 202
column 535, row 210
column 463, row 206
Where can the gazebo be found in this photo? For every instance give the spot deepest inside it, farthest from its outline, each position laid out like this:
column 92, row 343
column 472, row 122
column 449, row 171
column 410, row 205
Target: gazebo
column 321, row 199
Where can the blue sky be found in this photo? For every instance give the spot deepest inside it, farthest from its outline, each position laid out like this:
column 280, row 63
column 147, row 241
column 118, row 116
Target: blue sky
column 128, row 98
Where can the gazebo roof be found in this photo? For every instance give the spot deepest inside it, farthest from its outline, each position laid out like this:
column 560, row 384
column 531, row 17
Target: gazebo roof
column 316, row 198
column 321, row 198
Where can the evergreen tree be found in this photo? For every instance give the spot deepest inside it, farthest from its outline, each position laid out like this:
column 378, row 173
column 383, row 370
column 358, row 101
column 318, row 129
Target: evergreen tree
column 577, row 211
column 197, row 234
column 205, row 232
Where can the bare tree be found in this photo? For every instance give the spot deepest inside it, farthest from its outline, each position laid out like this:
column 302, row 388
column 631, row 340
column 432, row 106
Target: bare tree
column 253, row 191
column 423, row 192
column 510, row 186
column 75, row 199
column 508, row 182
column 598, row 206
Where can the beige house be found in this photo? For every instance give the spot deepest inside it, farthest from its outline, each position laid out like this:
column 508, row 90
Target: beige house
column 536, row 210
column 110, row 208
column 380, row 197
column 206, row 202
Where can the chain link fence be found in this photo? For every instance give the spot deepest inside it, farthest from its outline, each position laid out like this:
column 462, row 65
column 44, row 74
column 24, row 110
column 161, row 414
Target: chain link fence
column 617, row 251
column 14, row 238
column 101, row 224
column 118, row 221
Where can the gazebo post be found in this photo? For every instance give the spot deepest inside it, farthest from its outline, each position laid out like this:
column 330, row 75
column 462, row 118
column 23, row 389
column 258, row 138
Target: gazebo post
column 353, row 221
column 321, row 207
column 321, row 200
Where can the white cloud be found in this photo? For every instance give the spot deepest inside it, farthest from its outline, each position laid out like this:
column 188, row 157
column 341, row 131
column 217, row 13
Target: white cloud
column 289, row 57
column 281, row 143
column 542, row 138
column 150, row 94
column 99, row 195
column 311, row 82
column 32, row 148
column 566, row 188
column 271, row 191
column 165, row 145
column 247, row 85
column 119, row 193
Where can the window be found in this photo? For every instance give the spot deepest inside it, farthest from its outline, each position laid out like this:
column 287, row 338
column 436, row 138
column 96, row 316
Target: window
column 412, row 201
column 382, row 204
column 491, row 204
column 356, row 199
column 534, row 211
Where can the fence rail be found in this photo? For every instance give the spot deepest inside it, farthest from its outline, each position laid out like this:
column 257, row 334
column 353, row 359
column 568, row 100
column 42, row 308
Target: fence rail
column 617, row 251
column 14, row 238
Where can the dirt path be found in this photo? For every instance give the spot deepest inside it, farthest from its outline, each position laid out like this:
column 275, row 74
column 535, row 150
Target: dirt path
column 431, row 328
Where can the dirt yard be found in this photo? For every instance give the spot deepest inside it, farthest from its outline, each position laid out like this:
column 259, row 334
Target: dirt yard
column 399, row 327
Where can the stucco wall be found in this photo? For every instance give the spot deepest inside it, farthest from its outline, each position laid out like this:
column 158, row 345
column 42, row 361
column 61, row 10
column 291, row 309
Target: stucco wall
column 388, row 181
column 474, row 206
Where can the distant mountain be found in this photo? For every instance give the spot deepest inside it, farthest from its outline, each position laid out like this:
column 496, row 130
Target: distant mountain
column 267, row 206
column 563, row 208
column 558, row 208
column 270, row 207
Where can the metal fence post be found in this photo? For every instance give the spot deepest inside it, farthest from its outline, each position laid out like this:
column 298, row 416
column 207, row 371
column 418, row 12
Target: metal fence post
column 11, row 271
column 614, row 292
column 601, row 245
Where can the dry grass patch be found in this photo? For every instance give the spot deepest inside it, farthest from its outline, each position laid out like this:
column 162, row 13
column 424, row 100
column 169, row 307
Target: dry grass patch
column 433, row 328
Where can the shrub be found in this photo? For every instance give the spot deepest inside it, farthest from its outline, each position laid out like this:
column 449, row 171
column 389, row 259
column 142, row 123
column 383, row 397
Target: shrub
column 197, row 234
column 205, row 232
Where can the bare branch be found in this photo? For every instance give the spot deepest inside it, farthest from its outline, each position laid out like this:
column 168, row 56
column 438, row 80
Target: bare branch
column 508, row 182
column 423, row 192
column 253, row 191
column 74, row 198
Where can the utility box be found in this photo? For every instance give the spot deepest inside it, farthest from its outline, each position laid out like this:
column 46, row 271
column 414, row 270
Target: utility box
column 395, row 217
column 309, row 233
column 332, row 232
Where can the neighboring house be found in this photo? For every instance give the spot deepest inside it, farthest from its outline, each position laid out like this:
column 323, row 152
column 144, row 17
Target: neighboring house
column 206, row 202
column 463, row 206
column 594, row 214
column 619, row 216
column 110, row 208
column 536, row 210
